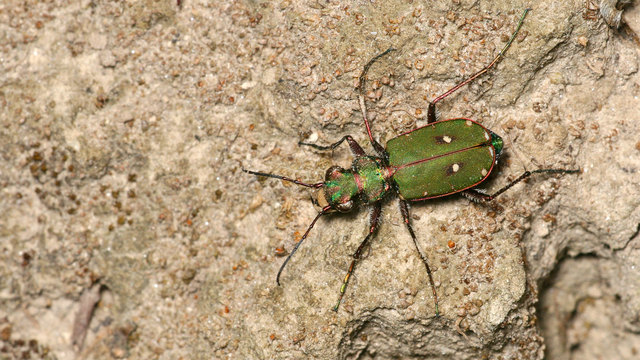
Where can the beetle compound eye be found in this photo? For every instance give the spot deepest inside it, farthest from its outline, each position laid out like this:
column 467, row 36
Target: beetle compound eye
column 345, row 206
column 333, row 172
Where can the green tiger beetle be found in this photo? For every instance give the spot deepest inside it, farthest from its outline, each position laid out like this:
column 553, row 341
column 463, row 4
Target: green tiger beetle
column 439, row 159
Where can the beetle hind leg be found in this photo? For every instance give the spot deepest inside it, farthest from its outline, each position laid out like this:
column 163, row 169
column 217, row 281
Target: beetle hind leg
column 404, row 209
column 477, row 195
column 431, row 112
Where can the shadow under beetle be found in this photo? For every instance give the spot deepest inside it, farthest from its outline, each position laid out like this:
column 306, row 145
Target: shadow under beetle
column 439, row 159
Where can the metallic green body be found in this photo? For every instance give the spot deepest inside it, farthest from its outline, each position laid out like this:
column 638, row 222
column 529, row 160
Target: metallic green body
column 340, row 187
column 436, row 160
column 365, row 180
column 442, row 158
column 371, row 178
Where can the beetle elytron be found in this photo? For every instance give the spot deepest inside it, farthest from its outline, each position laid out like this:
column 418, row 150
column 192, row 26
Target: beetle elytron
column 439, row 159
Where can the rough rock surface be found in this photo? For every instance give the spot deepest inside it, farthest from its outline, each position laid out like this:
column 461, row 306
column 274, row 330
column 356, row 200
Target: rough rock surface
column 127, row 229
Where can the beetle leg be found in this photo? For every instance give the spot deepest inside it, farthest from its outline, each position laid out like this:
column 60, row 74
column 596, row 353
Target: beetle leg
column 363, row 107
column 356, row 149
column 478, row 195
column 374, row 221
column 404, row 209
column 431, row 113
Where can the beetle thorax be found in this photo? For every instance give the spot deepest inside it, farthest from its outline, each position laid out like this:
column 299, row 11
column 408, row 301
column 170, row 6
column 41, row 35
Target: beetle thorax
column 365, row 182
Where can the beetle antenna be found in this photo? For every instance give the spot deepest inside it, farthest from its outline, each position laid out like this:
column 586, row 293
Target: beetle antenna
column 257, row 173
column 295, row 248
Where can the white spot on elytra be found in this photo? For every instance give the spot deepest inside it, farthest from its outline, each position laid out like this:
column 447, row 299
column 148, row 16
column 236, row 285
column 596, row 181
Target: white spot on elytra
column 446, row 139
column 425, row 193
column 486, row 135
column 484, row 172
column 491, row 151
column 455, row 167
column 468, row 123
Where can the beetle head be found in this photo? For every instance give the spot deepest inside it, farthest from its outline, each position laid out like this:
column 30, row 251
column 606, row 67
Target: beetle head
column 497, row 143
column 339, row 190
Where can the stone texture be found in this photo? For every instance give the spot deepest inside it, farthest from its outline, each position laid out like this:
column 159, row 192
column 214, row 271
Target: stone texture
column 125, row 126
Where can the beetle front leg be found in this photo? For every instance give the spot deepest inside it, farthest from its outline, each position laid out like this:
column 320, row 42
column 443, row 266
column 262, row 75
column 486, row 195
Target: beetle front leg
column 404, row 209
column 478, row 196
column 324, row 211
column 374, row 222
column 356, row 149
